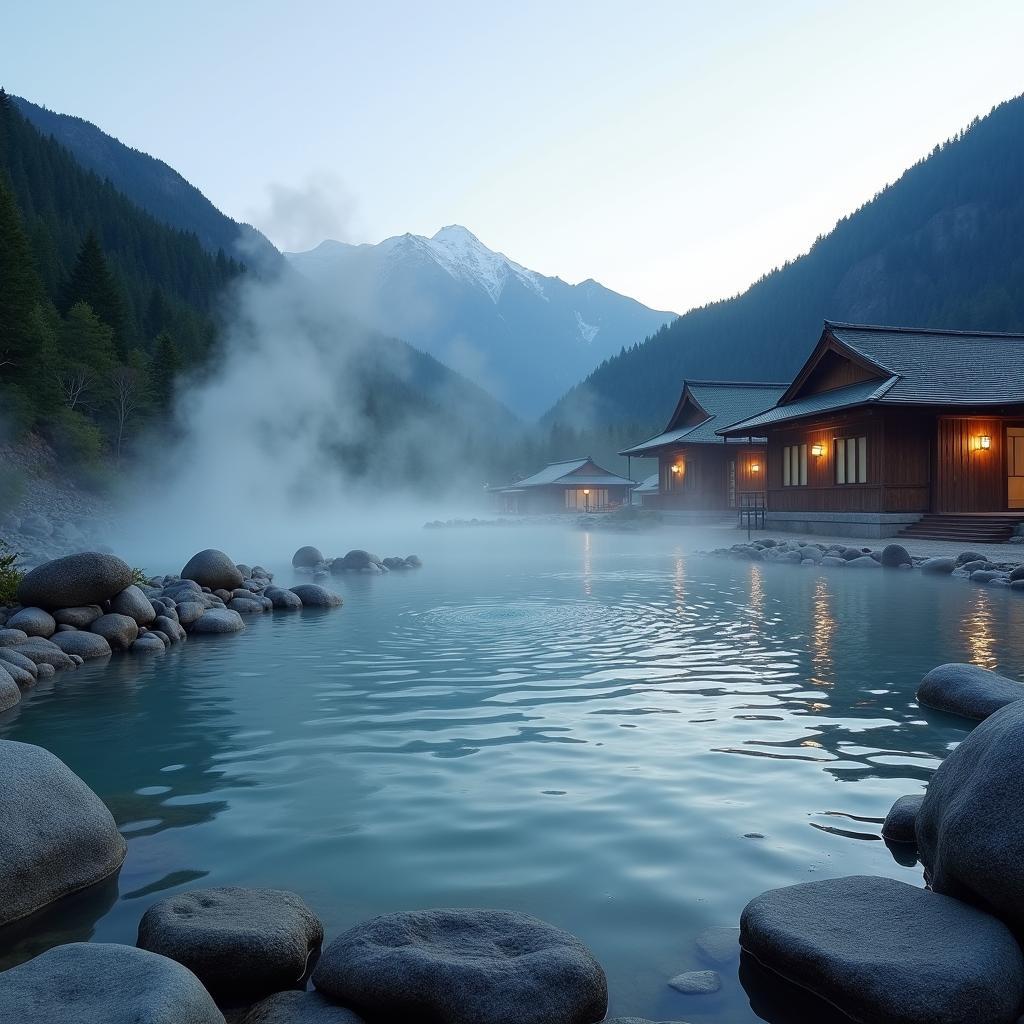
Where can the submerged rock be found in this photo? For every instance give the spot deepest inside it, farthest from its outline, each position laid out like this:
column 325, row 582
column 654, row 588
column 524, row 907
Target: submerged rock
column 968, row 690
column 882, row 950
column 900, row 822
column 970, row 828
column 214, row 569
column 697, row 983
column 938, row 566
column 299, row 1008
column 56, row 835
column 90, row 577
column 719, row 944
column 103, row 983
column 312, row 595
column 242, row 944
column 283, row 599
column 464, row 967
column 895, row 556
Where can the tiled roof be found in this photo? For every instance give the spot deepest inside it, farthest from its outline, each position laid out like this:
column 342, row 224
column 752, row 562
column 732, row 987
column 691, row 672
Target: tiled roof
column 725, row 402
column 915, row 367
column 559, row 473
column 649, row 485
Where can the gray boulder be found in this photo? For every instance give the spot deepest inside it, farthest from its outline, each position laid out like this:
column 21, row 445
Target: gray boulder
column 171, row 628
column 103, row 983
column 33, row 622
column 242, row 944
column 1017, row 574
column 214, row 569
column 10, row 691
column 149, row 643
column 968, row 556
column 697, row 983
column 45, row 652
column 985, row 575
column 968, row 690
column 23, row 671
column 133, row 603
column 414, row 561
column 900, row 823
column 218, row 620
column 970, row 829
column 307, row 557
column 833, row 560
column 312, row 595
column 84, row 644
column 90, row 577
column 894, row 556
column 882, row 950
column 56, row 834
column 863, row 562
column 464, row 967
column 283, row 599
column 120, row 631
column 938, row 566
column 299, row 1008
column 11, row 637
column 356, row 560
column 189, row 611
column 81, row 616
column 246, row 605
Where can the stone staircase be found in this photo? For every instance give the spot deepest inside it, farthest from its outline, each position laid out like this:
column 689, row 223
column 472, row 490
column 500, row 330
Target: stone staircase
column 971, row 528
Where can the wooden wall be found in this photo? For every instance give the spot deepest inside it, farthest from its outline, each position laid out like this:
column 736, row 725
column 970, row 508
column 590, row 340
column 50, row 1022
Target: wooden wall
column 968, row 479
column 705, row 484
column 835, row 371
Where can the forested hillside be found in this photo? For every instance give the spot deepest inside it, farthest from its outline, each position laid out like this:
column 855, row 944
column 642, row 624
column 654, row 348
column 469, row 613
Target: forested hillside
column 942, row 247
column 153, row 185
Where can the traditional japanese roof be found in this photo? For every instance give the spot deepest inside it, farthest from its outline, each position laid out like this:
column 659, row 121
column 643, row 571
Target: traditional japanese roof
column 574, row 473
column 648, row 485
column 905, row 366
column 703, row 407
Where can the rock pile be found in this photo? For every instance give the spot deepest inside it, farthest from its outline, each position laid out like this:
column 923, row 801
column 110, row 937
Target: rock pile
column 87, row 606
column 247, row 952
column 309, row 559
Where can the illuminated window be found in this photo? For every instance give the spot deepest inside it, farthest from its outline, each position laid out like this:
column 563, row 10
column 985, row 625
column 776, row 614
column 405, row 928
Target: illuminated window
column 851, row 460
column 794, row 465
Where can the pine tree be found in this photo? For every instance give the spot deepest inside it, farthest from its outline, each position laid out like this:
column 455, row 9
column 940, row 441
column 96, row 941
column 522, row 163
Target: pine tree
column 92, row 282
column 20, row 291
column 87, row 342
column 165, row 369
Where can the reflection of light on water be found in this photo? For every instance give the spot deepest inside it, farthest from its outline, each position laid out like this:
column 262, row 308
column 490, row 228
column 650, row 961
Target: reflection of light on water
column 757, row 591
column 588, row 568
column 679, row 584
column 823, row 626
column 977, row 631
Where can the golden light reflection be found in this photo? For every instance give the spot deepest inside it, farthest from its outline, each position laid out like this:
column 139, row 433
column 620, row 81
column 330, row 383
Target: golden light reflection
column 810, row 743
column 757, row 591
column 823, row 627
column 679, row 584
column 977, row 630
column 588, row 568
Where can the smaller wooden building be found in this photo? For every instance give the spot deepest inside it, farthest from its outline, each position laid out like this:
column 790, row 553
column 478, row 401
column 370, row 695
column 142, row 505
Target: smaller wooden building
column 886, row 426
column 698, row 470
column 579, row 485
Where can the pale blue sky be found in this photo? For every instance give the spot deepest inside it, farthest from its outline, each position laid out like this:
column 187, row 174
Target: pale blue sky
column 673, row 151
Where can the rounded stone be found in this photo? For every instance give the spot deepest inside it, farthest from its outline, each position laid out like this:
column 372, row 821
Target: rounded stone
column 246, row 605
column 22, row 670
column 103, row 983
column 133, row 603
column 414, row 561
column 968, row 556
column 697, row 983
column 882, row 950
column 120, row 631
column 307, row 557
column 938, row 566
column 45, row 651
column 863, row 562
column 84, row 644
column 464, row 967
column 312, row 595
column 894, row 556
column 11, row 637
column 214, row 569
column 719, row 944
column 90, row 577
column 80, row 616
column 970, row 828
column 33, row 622
column 355, row 560
column 967, row 690
column 148, row 644
column 299, row 1008
column 57, row 836
column 900, row 822
column 283, row 599
column 242, row 944
column 189, row 611
column 218, row 620
column 10, row 691
column 171, row 628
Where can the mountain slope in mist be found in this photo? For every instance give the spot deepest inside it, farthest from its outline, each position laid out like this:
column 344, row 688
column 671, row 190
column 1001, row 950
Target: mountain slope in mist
column 522, row 336
column 153, row 185
column 939, row 248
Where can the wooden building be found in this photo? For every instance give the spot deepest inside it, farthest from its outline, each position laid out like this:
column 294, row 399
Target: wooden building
column 886, row 428
column 698, row 470
column 579, row 485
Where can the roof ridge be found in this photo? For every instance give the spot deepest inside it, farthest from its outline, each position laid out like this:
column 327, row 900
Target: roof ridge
column 921, row 330
column 736, row 383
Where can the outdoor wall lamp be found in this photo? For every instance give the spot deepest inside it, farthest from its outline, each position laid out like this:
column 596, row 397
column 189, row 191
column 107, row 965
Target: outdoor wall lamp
column 755, row 467
column 675, row 468
column 817, row 450
column 984, row 442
